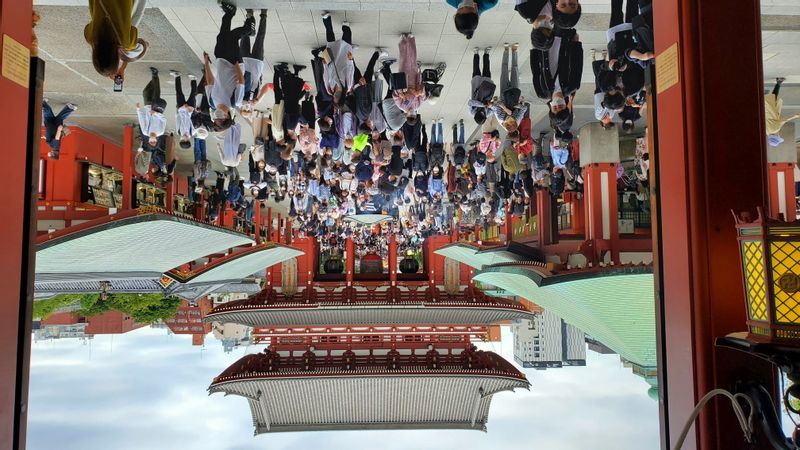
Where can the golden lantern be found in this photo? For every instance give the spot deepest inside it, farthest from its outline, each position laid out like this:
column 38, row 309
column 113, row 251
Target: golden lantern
column 769, row 251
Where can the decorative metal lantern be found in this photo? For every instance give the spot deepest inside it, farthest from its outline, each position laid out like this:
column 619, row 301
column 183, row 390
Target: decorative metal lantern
column 409, row 264
column 769, row 251
column 334, row 264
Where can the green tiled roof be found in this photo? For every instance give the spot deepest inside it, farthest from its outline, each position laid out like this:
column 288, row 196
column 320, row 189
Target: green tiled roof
column 474, row 257
column 617, row 310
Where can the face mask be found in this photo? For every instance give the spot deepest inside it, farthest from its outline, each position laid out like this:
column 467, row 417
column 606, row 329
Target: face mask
column 219, row 114
column 558, row 101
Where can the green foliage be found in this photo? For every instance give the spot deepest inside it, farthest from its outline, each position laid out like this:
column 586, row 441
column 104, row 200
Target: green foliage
column 42, row 309
column 143, row 308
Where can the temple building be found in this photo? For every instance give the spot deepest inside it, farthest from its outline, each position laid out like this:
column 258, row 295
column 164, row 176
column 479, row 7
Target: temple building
column 345, row 379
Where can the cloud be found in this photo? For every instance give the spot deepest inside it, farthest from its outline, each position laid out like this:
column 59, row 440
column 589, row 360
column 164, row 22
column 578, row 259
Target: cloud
column 147, row 389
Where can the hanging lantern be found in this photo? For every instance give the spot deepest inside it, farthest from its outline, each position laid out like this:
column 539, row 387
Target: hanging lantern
column 334, row 264
column 409, row 264
column 769, row 252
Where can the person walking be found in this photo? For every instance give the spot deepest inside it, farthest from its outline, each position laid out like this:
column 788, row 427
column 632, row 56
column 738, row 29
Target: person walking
column 151, row 118
column 773, row 106
column 113, row 35
column 253, row 60
column 468, row 14
column 54, row 126
column 481, row 87
column 413, row 96
column 339, row 70
column 509, row 109
column 225, row 89
column 184, row 110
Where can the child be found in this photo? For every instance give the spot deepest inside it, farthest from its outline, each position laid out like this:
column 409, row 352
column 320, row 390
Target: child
column 54, row 126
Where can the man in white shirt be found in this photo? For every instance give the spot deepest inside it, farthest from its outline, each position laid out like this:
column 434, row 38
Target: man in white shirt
column 230, row 153
column 185, row 107
column 253, row 60
column 225, row 88
column 151, row 117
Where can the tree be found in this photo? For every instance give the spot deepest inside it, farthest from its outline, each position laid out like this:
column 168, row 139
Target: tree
column 42, row 309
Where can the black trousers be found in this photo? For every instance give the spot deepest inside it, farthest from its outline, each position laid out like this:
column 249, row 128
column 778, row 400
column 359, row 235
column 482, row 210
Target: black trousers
column 152, row 94
column 227, row 47
column 347, row 34
column 181, row 99
column 476, row 66
column 386, row 71
column 257, row 51
column 631, row 11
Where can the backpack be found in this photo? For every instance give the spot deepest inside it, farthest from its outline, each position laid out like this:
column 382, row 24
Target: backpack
column 459, row 155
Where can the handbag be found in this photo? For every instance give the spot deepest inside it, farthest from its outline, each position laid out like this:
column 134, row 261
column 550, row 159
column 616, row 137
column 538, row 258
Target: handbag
column 398, row 81
column 430, row 76
column 434, row 90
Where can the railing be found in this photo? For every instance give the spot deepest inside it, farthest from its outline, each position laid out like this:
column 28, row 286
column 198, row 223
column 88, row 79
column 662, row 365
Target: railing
column 269, row 299
column 641, row 219
column 271, row 364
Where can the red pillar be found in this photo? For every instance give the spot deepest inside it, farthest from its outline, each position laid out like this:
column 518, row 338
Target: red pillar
column 350, row 260
column 269, row 224
column 706, row 167
column 21, row 167
column 544, row 222
column 257, row 220
column 127, row 167
column 576, row 212
column 781, row 190
column 600, row 200
column 393, row 258
column 200, row 207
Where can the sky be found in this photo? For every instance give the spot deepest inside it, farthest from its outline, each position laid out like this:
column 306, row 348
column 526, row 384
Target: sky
column 147, row 389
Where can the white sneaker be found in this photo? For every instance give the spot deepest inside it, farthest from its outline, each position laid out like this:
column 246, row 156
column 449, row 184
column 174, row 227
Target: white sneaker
column 191, row 77
column 506, row 45
column 72, row 107
column 382, row 53
column 174, row 73
column 346, row 23
column 325, row 14
column 487, row 50
column 476, row 50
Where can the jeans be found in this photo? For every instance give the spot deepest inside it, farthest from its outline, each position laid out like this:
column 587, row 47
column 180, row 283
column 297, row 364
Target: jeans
column 199, row 149
column 458, row 133
column 506, row 81
column 436, row 133
column 51, row 122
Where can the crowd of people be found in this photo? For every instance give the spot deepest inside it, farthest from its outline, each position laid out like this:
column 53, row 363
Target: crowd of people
column 345, row 142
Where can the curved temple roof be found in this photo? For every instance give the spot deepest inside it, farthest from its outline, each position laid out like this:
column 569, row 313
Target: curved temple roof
column 615, row 306
column 145, row 243
column 475, row 257
column 371, row 397
column 238, row 265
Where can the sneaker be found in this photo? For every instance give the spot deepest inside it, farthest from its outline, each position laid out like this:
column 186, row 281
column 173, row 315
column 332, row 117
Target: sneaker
column 780, row 80
column 487, row 50
column 355, row 47
column 263, row 13
column 228, row 8
column 389, row 61
column 250, row 26
column 592, row 54
column 191, row 77
column 506, row 45
column 298, row 68
column 514, row 46
column 72, row 106
column 604, row 54
column 441, row 119
column 325, row 14
column 174, row 73
column 345, row 23
column 382, row 53
column 52, row 155
column 249, row 12
column 45, row 100
column 476, row 50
